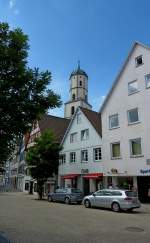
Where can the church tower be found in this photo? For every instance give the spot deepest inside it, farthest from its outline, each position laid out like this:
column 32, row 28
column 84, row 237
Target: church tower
column 78, row 92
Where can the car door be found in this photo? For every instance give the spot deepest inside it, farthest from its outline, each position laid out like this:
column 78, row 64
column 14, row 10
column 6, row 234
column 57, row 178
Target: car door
column 98, row 199
column 57, row 195
column 107, row 198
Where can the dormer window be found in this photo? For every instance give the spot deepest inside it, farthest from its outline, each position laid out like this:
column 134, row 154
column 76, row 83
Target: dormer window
column 138, row 61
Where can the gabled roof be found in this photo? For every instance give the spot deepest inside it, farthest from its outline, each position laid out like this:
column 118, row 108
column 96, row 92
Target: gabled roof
column 93, row 117
column 57, row 124
column 121, row 71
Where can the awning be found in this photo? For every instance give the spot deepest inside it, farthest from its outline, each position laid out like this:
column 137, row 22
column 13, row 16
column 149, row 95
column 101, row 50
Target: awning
column 93, row 175
column 70, row 176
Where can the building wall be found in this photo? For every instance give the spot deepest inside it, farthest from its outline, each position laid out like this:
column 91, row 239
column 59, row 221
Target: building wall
column 120, row 102
column 76, row 104
column 94, row 141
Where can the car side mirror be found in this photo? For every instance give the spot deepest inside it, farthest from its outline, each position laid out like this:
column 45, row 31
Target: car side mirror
column 94, row 194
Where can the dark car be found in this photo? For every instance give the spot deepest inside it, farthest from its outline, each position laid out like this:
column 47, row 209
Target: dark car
column 66, row 195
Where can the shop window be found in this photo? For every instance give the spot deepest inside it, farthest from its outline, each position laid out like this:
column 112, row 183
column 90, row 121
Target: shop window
column 26, row 185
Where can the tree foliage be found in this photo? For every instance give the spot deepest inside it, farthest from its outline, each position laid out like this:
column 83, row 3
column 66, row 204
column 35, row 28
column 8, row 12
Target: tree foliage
column 43, row 159
column 24, row 93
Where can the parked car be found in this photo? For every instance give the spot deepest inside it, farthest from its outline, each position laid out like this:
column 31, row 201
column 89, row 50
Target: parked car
column 66, row 195
column 114, row 199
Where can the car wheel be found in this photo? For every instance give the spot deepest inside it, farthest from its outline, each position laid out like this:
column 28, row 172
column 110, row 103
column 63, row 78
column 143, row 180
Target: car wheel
column 67, row 200
column 50, row 199
column 115, row 207
column 87, row 204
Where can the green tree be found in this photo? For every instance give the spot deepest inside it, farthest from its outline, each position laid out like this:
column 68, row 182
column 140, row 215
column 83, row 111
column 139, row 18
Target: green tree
column 43, row 159
column 24, row 92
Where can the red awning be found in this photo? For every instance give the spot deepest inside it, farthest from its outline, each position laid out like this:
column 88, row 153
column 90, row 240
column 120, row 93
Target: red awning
column 70, row 176
column 93, row 175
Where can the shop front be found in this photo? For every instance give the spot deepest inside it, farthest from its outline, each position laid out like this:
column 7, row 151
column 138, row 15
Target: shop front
column 70, row 180
column 92, row 182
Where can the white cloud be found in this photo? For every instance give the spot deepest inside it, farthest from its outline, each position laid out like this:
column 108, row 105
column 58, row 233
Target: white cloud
column 97, row 102
column 12, row 3
column 16, row 11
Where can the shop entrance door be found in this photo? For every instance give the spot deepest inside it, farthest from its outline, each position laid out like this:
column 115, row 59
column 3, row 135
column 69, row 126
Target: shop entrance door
column 86, row 186
column 144, row 188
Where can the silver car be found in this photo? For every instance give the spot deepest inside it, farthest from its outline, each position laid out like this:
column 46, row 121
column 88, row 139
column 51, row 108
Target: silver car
column 66, row 195
column 114, row 199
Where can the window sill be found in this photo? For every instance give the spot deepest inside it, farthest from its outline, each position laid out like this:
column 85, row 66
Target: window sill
column 96, row 161
column 136, row 156
column 133, row 123
column 114, row 128
column 114, row 158
column 139, row 65
column 84, row 161
column 133, row 92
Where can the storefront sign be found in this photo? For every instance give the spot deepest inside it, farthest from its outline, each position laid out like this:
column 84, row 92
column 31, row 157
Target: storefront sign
column 145, row 171
column 114, row 171
column 84, row 171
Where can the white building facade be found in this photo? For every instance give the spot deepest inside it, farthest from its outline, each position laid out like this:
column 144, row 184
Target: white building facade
column 80, row 159
column 126, row 125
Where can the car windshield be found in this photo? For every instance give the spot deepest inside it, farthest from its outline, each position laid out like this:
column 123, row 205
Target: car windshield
column 74, row 190
column 131, row 194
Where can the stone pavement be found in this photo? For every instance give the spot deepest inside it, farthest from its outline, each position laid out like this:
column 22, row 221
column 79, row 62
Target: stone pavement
column 26, row 220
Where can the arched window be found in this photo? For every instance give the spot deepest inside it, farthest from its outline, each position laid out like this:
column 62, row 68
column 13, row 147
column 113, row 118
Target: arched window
column 73, row 96
column 80, row 83
column 72, row 110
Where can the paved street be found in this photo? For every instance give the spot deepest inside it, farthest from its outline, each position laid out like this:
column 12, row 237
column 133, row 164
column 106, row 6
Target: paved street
column 25, row 220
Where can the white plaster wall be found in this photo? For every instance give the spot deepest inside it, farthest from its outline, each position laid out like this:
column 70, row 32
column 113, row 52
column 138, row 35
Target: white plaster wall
column 120, row 102
column 94, row 141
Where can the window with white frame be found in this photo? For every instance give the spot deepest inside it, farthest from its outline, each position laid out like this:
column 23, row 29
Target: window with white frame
column 113, row 121
column 138, row 60
column 135, row 147
column 85, row 134
column 133, row 116
column 73, row 137
column 62, row 159
column 72, row 157
column 147, row 80
column 97, row 154
column 78, row 118
column 133, row 87
column 84, row 156
column 115, row 150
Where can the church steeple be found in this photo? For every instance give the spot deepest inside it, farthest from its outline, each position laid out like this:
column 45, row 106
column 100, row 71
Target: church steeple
column 78, row 92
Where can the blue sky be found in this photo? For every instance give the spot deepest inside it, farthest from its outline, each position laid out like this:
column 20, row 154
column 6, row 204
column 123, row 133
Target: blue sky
column 99, row 33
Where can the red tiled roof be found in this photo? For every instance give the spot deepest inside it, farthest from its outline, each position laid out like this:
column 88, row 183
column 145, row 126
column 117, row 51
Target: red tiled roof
column 57, row 124
column 94, row 118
